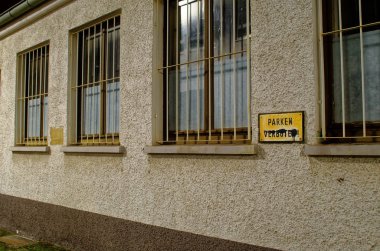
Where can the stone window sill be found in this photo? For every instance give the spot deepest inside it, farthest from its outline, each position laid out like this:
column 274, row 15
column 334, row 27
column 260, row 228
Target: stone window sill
column 202, row 149
column 342, row 150
column 93, row 149
column 30, row 149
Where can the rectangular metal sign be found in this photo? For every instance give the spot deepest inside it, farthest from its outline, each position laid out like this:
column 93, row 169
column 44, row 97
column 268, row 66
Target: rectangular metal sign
column 281, row 127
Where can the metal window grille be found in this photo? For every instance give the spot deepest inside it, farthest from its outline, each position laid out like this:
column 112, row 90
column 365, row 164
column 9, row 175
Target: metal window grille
column 96, row 83
column 350, row 70
column 206, row 72
column 32, row 97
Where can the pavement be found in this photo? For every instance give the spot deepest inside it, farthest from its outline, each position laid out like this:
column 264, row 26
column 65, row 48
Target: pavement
column 13, row 242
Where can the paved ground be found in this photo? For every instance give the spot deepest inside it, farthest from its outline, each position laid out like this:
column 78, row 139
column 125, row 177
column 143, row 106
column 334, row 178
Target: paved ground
column 13, row 242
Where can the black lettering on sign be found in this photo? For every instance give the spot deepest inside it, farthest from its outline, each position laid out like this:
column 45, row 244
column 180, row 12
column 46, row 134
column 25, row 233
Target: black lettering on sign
column 281, row 133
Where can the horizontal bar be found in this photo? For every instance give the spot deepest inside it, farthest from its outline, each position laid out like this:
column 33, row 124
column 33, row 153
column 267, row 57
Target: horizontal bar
column 351, row 28
column 202, row 140
column 34, row 96
column 203, row 59
column 96, row 83
column 348, row 137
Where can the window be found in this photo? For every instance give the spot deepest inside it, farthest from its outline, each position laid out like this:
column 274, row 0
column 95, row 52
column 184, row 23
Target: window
column 350, row 52
column 95, row 89
column 32, row 97
column 206, row 72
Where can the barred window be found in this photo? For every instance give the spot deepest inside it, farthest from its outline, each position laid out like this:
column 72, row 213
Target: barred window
column 206, row 72
column 350, row 54
column 32, row 97
column 95, row 97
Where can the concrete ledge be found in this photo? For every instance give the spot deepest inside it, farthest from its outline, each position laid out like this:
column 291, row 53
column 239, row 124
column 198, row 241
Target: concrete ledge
column 30, row 149
column 342, row 150
column 93, row 149
column 202, row 149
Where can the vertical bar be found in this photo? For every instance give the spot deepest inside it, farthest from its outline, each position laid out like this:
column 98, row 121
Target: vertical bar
column 187, row 68
column 27, row 99
column 76, row 84
column 362, row 67
column 88, row 81
column 342, row 70
column 234, row 63
column 113, row 71
column 102, row 113
column 209, row 71
column 221, row 60
column 176, row 82
column 167, row 69
column 100, row 83
column 248, row 69
column 41, row 101
column 198, row 84
column 21, row 85
column 93, row 107
column 32, row 96
column 322, row 70
column 45, row 95
column 106, row 77
column 82, row 90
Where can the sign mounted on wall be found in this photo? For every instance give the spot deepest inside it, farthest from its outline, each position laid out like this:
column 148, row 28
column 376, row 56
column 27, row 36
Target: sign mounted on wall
column 281, row 127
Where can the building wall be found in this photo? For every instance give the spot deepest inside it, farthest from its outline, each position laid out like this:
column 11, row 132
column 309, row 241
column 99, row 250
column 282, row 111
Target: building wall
column 279, row 198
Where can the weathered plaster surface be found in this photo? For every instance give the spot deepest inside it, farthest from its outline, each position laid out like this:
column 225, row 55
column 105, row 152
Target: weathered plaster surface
column 279, row 198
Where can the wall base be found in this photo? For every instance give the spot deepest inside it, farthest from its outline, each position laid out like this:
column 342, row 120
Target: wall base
column 80, row 230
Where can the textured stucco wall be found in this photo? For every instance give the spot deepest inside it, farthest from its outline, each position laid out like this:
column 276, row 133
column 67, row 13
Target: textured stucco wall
column 279, row 198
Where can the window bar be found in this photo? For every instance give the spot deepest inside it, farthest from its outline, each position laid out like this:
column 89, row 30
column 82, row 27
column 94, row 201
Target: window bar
column 101, row 84
column 248, row 81
column 87, row 83
column 93, row 106
column 322, row 74
column 221, row 71
column 198, row 84
column 176, row 82
column 106, row 56
column 342, row 70
column 113, row 68
column 82, row 128
column 27, row 99
column 30, row 90
column 22, row 100
column 44, row 93
column 46, row 87
column 41, row 131
column 167, row 70
column 209, row 71
column 76, row 85
column 32, row 97
column 187, row 68
column 234, row 64
column 362, row 67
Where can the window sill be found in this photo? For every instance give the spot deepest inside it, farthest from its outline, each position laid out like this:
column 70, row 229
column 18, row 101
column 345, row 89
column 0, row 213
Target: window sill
column 342, row 150
column 93, row 149
column 202, row 149
column 30, row 149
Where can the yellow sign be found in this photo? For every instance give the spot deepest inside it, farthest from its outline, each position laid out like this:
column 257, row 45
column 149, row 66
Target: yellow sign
column 281, row 127
column 56, row 136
